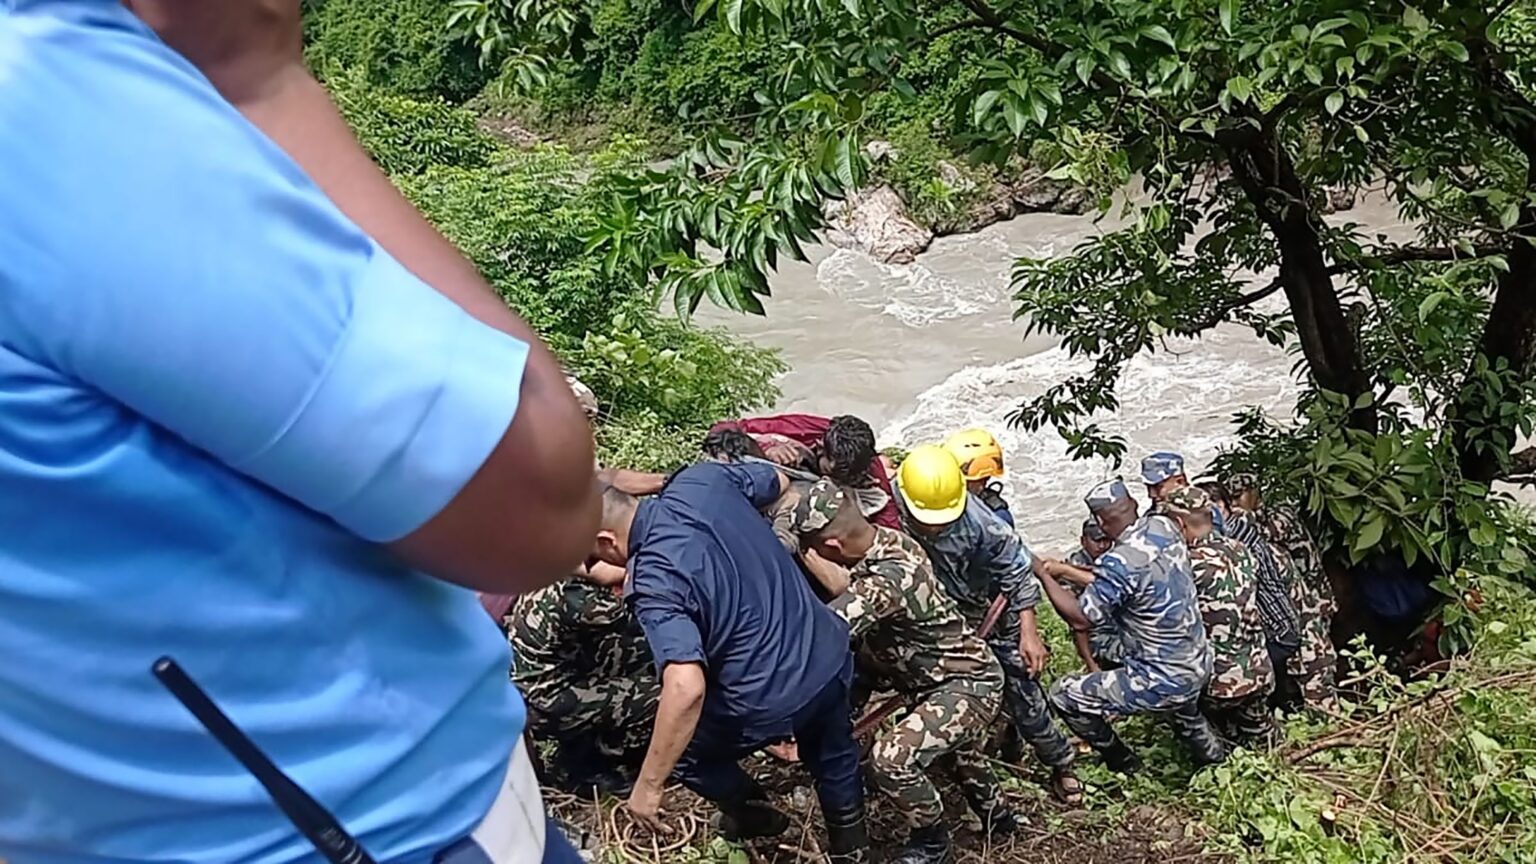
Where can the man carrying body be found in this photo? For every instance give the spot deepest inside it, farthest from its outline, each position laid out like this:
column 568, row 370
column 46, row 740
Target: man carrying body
column 978, row 557
column 747, row 655
column 912, row 627
column 1144, row 585
column 841, row 448
column 1315, row 664
column 1282, row 628
column 1102, row 646
column 582, row 664
column 981, row 461
column 1236, row 699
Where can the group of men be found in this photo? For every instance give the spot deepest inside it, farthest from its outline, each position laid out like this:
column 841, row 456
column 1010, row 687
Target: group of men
column 763, row 594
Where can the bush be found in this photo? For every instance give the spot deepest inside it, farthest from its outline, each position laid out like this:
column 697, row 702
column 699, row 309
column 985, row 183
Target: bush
column 401, row 46
column 521, row 218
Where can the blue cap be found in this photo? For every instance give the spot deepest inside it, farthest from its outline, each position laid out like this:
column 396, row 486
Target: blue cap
column 1160, row 466
column 1106, row 494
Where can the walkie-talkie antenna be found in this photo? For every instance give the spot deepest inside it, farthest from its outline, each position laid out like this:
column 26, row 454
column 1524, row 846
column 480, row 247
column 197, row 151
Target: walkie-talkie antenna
column 306, row 814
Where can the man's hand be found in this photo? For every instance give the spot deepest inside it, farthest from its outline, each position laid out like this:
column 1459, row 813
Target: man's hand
column 644, row 805
column 1034, row 652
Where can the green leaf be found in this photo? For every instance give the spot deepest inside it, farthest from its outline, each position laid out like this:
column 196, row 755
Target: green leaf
column 1039, row 112
column 1509, row 214
column 1456, row 51
column 1013, row 112
column 1364, row 136
column 843, row 163
column 1370, row 534
column 732, row 11
column 1159, row 33
column 702, row 9
column 1414, row 20
column 1240, row 88
column 1228, row 11
column 852, row 6
column 984, row 103
column 1120, row 65
column 1085, row 65
column 1334, row 102
column 1427, row 306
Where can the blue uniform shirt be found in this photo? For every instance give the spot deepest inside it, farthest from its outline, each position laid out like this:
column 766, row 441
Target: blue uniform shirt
column 215, row 394
column 978, row 557
column 711, row 584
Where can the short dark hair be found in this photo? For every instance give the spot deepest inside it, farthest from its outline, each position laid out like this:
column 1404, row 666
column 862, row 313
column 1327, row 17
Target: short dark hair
column 849, row 444
column 731, row 444
column 1218, row 491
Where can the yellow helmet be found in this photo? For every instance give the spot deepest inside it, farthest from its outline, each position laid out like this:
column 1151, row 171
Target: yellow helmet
column 931, row 485
column 979, row 454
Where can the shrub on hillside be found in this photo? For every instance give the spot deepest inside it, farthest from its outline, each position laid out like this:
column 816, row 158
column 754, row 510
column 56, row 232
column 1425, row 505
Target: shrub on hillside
column 401, row 46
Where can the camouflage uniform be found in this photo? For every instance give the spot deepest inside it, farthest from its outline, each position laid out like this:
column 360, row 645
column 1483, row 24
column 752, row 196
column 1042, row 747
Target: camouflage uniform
column 1315, row 662
column 1236, row 699
column 913, row 630
column 585, row 671
column 977, row 558
column 1104, row 641
column 1145, row 585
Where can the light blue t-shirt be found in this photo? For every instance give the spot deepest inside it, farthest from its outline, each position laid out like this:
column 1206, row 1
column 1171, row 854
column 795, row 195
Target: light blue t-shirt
column 216, row 396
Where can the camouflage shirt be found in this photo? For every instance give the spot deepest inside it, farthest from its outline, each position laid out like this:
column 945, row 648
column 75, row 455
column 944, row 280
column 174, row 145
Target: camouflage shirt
column 1104, row 640
column 1312, row 592
column 781, row 514
column 1227, row 582
column 908, row 621
column 1145, row 585
column 570, row 633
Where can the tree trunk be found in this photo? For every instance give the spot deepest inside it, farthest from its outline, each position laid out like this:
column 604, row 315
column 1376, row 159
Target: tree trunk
column 1509, row 335
column 1329, row 343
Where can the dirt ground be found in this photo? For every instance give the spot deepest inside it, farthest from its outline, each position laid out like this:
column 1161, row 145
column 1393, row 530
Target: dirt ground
column 1048, row 832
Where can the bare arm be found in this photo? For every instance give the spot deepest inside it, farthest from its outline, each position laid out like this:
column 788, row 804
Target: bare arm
column 677, row 716
column 833, row 578
column 529, row 513
column 1072, row 573
column 1066, row 606
column 1080, row 640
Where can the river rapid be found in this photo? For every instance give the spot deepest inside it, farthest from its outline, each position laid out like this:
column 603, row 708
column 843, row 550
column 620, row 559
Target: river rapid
column 921, row 350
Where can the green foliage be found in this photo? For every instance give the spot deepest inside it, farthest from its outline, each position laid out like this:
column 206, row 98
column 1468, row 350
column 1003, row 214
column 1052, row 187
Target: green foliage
column 405, row 135
column 400, row 46
column 521, row 218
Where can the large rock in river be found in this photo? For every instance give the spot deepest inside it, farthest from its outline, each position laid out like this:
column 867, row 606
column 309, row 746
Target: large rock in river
column 876, row 222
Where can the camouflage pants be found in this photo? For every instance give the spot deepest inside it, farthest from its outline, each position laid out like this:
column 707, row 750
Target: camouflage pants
column 949, row 726
column 608, row 720
column 1244, row 721
column 1084, row 702
column 1314, row 665
column 1027, row 706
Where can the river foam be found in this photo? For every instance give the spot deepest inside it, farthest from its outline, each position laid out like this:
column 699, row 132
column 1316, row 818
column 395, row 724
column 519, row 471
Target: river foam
column 1181, row 398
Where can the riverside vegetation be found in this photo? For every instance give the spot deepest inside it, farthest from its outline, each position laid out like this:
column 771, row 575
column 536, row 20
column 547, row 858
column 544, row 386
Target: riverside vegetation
column 1236, row 116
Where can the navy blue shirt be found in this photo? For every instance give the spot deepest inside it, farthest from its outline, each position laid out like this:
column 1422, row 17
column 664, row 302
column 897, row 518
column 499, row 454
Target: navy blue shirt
column 711, row 584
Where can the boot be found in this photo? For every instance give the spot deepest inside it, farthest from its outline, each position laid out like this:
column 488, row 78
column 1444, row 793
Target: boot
column 928, row 845
column 1121, row 758
column 996, row 819
column 847, row 837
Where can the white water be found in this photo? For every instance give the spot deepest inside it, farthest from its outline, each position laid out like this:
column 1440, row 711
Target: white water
column 925, row 349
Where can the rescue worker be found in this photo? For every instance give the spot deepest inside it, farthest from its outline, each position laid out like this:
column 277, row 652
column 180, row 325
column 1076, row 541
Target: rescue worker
column 1282, row 629
column 747, row 654
column 981, row 461
column 1236, row 699
column 1163, row 472
column 1144, row 585
column 913, row 629
column 583, row 667
column 1100, row 648
column 1315, row 664
column 977, row 557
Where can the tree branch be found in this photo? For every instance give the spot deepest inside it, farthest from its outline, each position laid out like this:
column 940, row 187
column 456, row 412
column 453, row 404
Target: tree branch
column 973, row 24
column 1522, row 467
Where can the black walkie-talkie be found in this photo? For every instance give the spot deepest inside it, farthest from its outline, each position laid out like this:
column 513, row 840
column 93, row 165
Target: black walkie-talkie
column 306, row 814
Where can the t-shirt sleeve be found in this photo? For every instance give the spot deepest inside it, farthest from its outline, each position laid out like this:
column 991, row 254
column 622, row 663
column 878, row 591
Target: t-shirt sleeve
column 806, row 429
column 186, row 269
column 662, row 605
column 757, row 481
column 1007, row 560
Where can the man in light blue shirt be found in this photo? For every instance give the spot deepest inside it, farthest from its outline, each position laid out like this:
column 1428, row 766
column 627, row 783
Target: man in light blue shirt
column 238, row 430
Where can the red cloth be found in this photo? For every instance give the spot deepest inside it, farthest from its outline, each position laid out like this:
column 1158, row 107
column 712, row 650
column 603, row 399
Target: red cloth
column 497, row 605
column 808, row 429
